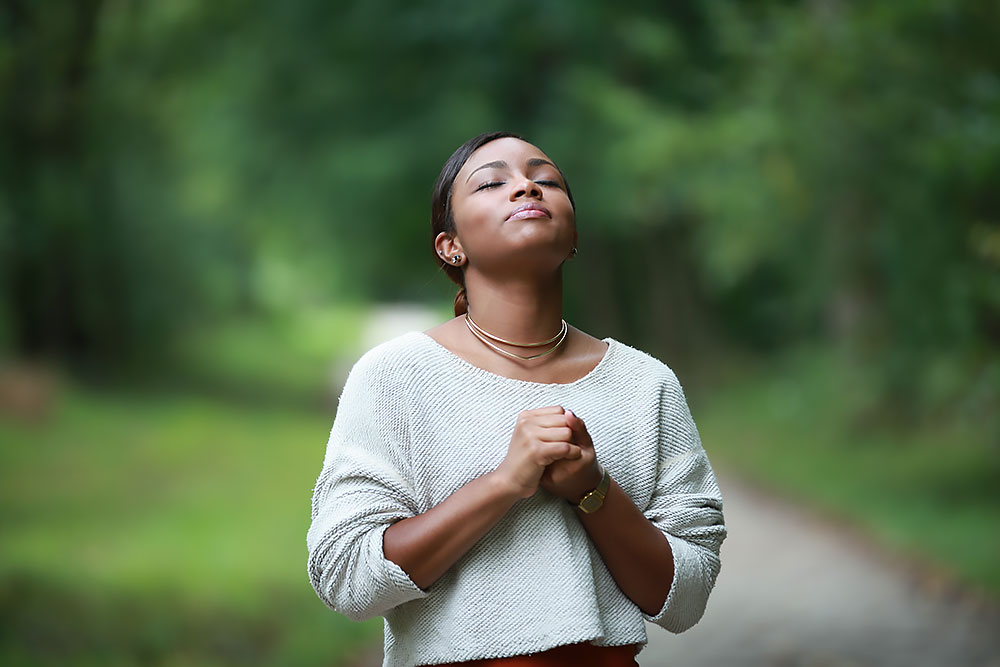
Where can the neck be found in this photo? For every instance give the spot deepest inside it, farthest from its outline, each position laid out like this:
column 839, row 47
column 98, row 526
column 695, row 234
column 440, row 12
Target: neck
column 524, row 310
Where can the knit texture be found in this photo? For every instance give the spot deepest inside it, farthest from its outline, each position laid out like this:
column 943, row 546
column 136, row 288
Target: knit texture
column 416, row 422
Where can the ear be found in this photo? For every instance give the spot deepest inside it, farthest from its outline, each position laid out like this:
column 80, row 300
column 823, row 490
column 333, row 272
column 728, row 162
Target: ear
column 447, row 247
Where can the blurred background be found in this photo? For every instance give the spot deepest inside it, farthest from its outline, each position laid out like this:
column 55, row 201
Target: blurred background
column 208, row 211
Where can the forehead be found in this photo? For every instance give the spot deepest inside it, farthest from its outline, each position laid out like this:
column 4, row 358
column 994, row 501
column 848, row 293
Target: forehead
column 512, row 151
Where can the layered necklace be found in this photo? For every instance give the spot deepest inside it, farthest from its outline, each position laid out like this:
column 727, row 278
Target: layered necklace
column 485, row 336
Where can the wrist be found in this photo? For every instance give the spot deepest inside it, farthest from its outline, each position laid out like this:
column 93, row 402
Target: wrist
column 593, row 499
column 502, row 488
column 598, row 484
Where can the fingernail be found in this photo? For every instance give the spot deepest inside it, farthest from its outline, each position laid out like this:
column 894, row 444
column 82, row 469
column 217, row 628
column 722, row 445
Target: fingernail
column 570, row 411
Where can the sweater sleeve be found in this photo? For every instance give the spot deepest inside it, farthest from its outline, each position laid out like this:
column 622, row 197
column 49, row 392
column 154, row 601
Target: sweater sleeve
column 687, row 507
column 362, row 489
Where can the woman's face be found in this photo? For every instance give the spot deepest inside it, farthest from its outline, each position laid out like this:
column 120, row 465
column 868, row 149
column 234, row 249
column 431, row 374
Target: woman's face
column 510, row 208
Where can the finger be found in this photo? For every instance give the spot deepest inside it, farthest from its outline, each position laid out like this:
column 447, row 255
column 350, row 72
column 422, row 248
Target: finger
column 580, row 434
column 549, row 421
column 572, row 453
column 548, row 410
column 559, row 450
column 561, row 433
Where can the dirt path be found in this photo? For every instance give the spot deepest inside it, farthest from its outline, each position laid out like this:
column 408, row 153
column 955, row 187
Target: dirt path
column 796, row 589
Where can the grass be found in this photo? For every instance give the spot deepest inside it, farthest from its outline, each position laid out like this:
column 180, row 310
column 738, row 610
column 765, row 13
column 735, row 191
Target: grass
column 167, row 528
column 930, row 491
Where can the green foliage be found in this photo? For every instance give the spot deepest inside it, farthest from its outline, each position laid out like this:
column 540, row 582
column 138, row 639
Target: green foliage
column 771, row 171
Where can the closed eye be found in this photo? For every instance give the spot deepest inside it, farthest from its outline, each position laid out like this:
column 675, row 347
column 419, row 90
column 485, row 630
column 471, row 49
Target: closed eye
column 493, row 184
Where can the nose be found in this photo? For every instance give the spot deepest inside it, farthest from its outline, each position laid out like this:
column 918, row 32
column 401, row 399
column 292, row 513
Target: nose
column 525, row 188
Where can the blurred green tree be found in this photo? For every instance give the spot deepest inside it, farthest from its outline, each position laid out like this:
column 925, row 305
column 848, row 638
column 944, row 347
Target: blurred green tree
column 755, row 174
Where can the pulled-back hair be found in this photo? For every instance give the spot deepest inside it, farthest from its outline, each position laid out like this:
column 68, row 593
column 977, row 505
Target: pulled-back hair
column 442, row 219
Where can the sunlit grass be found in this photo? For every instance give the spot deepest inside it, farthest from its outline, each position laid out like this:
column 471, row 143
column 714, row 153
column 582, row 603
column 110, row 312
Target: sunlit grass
column 289, row 357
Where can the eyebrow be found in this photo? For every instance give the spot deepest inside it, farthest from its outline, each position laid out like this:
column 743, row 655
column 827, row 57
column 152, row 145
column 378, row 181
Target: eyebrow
column 500, row 164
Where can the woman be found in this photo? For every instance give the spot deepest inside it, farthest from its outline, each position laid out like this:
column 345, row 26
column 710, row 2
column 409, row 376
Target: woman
column 503, row 488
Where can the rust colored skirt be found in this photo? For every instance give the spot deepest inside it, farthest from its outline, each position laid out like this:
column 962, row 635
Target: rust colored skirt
column 570, row 655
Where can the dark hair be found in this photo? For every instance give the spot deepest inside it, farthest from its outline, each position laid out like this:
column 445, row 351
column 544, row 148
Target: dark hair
column 442, row 219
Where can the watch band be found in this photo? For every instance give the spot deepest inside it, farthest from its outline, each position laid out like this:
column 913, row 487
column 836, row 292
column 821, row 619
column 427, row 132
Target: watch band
column 593, row 501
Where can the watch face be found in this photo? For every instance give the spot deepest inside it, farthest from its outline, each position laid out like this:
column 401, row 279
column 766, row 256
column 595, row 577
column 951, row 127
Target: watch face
column 591, row 502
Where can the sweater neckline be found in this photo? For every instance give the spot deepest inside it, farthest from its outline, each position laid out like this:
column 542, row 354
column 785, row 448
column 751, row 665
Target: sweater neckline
column 605, row 360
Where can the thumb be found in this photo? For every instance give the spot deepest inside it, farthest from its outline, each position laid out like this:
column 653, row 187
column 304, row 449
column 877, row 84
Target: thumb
column 580, row 435
column 575, row 423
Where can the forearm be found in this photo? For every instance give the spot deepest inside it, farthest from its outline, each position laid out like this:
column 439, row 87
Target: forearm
column 426, row 545
column 634, row 550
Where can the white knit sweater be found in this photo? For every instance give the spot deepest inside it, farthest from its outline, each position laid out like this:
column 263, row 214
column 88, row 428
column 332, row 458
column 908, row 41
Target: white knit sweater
column 416, row 422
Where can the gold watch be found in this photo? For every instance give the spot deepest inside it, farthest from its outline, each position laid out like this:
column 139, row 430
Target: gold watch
column 592, row 502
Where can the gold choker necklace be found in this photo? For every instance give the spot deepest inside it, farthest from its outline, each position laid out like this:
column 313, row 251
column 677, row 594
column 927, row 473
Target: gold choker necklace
column 483, row 335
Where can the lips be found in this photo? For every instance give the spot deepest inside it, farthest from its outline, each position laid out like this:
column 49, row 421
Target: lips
column 529, row 210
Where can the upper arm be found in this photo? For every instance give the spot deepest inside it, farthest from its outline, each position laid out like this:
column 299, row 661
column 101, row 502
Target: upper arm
column 686, row 506
column 361, row 490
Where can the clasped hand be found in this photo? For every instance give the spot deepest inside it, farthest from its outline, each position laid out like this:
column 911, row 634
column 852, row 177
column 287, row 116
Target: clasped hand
column 551, row 448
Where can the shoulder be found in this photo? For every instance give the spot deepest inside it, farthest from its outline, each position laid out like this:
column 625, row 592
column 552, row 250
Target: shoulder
column 640, row 364
column 388, row 365
column 395, row 356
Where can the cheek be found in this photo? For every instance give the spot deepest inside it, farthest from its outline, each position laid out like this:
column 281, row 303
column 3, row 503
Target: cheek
column 471, row 214
column 560, row 196
column 566, row 209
